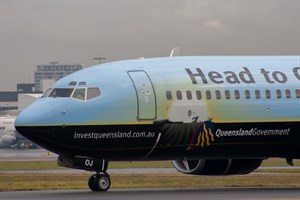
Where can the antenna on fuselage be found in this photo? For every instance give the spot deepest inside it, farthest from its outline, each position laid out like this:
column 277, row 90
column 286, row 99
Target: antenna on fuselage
column 175, row 52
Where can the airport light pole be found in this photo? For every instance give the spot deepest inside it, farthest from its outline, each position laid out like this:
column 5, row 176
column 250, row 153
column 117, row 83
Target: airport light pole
column 99, row 58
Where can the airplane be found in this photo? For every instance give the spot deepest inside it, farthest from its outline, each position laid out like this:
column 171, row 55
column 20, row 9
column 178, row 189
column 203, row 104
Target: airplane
column 9, row 137
column 211, row 115
column 8, row 133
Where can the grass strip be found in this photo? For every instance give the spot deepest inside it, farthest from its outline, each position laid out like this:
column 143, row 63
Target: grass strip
column 289, row 170
column 49, row 165
column 52, row 165
column 28, row 165
column 11, row 182
column 272, row 162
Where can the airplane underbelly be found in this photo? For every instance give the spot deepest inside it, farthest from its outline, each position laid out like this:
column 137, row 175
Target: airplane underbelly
column 166, row 140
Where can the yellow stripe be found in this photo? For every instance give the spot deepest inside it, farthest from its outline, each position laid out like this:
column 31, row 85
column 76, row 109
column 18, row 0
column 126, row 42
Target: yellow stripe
column 211, row 135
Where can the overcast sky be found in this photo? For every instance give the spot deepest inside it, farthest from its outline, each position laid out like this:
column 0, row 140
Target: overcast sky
column 36, row 32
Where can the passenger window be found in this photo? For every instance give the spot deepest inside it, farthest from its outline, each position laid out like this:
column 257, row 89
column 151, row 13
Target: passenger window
column 61, row 92
column 297, row 94
column 208, row 94
column 288, row 94
column 247, row 94
column 189, row 95
column 179, row 95
column 92, row 93
column 169, row 95
column 199, row 95
column 268, row 94
column 79, row 94
column 257, row 94
column 218, row 94
column 278, row 93
column 227, row 94
column 237, row 94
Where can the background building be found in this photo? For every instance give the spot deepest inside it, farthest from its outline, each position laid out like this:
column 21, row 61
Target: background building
column 9, row 100
column 46, row 75
column 25, row 87
column 26, row 93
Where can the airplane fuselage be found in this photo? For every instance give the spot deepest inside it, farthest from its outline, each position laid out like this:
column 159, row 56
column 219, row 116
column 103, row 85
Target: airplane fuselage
column 172, row 108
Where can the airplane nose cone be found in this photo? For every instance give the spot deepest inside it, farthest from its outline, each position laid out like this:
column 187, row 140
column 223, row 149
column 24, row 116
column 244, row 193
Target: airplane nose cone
column 33, row 122
column 36, row 114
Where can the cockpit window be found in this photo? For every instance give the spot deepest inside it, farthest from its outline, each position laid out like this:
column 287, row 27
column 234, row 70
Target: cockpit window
column 61, row 92
column 79, row 93
column 82, row 83
column 73, row 83
column 92, row 93
column 46, row 94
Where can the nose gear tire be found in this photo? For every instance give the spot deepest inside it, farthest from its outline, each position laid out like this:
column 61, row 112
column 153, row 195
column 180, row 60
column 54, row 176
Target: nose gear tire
column 99, row 182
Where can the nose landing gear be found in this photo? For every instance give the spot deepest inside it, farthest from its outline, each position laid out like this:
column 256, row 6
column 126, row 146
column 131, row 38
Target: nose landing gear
column 99, row 182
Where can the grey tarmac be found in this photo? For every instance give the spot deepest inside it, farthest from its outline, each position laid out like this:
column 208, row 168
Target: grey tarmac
column 26, row 155
column 165, row 194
